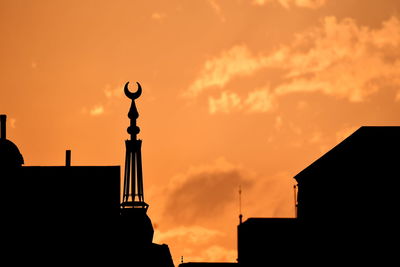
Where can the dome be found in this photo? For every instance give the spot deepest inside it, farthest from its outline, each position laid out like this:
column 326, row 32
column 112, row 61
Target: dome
column 137, row 225
column 9, row 154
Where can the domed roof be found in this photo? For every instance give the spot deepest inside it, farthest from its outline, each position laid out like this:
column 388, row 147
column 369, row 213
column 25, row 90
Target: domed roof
column 9, row 154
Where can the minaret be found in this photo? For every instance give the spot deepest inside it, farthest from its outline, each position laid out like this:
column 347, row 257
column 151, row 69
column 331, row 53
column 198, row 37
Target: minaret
column 133, row 177
column 133, row 207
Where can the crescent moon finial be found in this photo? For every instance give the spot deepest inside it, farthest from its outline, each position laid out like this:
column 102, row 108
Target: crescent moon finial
column 133, row 95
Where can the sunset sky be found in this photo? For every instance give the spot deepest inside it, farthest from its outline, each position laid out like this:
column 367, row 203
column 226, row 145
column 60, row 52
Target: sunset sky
column 235, row 93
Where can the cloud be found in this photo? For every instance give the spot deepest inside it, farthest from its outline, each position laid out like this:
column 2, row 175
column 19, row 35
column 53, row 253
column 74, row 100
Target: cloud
column 260, row 100
column 201, row 208
column 96, row 110
column 344, row 133
column 217, row 10
column 397, row 97
column 213, row 253
column 278, row 122
column 270, row 196
column 158, row 16
column 218, row 254
column 13, row 122
column 191, row 234
column 344, row 59
column 338, row 58
column 226, row 103
column 237, row 61
column 313, row 4
column 207, row 190
column 194, row 243
column 110, row 92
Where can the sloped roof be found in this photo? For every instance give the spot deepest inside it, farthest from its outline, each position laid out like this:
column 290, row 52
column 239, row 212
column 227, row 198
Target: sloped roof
column 369, row 145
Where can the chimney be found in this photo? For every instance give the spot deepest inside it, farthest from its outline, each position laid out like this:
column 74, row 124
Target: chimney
column 3, row 119
column 68, row 158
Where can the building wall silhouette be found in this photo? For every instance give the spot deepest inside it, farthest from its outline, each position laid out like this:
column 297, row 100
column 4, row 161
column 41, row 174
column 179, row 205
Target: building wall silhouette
column 353, row 181
column 68, row 215
column 58, row 214
column 62, row 192
column 266, row 241
column 348, row 201
column 349, row 197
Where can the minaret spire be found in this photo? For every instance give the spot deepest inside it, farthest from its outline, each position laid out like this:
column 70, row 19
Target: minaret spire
column 136, row 225
column 133, row 196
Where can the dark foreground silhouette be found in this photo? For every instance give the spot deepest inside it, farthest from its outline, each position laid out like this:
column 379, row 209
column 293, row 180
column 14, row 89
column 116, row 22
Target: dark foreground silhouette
column 72, row 215
column 347, row 206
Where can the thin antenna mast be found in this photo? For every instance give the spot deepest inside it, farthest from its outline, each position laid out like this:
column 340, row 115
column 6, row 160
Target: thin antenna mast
column 295, row 200
column 240, row 205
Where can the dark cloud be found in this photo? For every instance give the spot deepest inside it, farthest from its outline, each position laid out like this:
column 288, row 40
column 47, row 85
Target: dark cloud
column 204, row 195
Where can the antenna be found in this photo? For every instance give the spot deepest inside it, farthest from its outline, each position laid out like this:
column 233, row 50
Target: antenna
column 295, row 200
column 68, row 158
column 3, row 119
column 240, row 205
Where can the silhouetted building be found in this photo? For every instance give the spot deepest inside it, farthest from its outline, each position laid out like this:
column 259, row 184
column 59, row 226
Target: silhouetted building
column 350, row 196
column 55, row 191
column 263, row 241
column 138, row 229
column 353, row 181
column 347, row 205
column 57, row 215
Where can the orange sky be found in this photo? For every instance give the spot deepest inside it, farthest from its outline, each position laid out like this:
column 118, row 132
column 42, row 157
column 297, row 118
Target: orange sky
column 234, row 92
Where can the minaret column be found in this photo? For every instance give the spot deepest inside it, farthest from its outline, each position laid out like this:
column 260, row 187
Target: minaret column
column 133, row 194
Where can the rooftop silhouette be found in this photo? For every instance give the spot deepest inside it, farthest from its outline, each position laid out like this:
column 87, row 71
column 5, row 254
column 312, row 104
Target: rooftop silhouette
column 347, row 199
column 355, row 180
column 69, row 214
column 347, row 205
